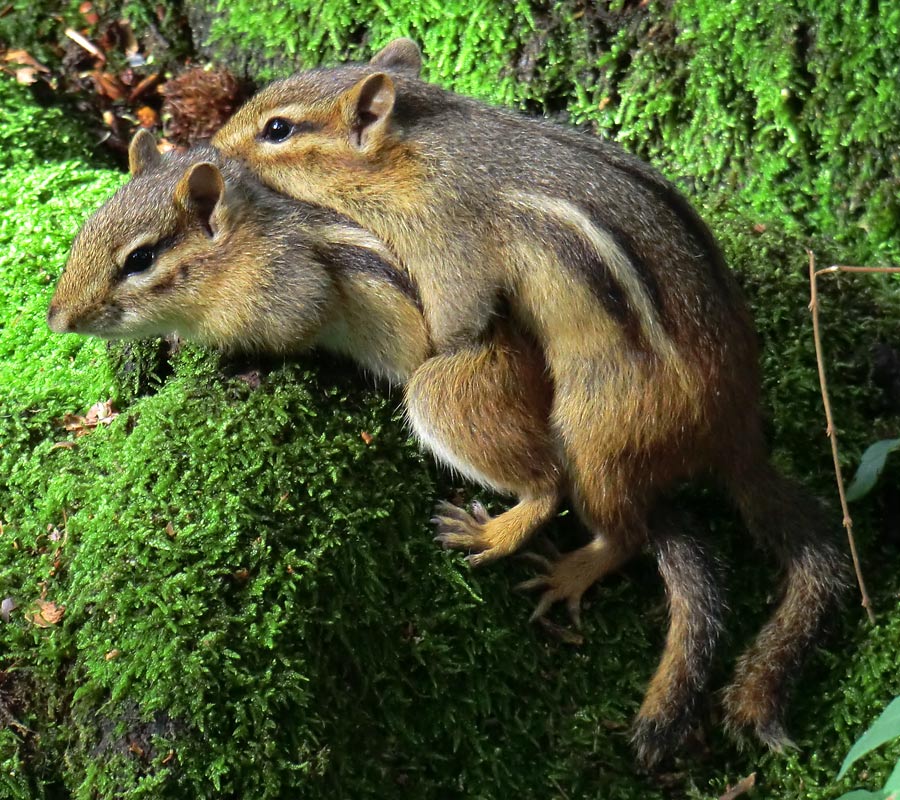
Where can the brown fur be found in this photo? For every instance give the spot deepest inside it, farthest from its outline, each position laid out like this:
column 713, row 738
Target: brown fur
column 498, row 427
column 238, row 266
column 649, row 347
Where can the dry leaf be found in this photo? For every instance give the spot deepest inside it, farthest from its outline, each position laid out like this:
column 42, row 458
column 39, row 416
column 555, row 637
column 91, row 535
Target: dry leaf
column 147, row 117
column 147, row 83
column 87, row 11
column 102, row 413
column 6, row 608
column 111, row 654
column 740, row 788
column 47, row 614
column 85, row 44
column 63, row 446
column 109, row 85
column 25, row 59
column 26, row 76
column 367, row 437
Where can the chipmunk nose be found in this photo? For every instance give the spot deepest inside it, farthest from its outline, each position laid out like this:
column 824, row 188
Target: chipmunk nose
column 56, row 320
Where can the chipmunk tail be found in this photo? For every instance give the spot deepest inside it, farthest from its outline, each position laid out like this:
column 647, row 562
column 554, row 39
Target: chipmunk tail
column 695, row 625
column 787, row 521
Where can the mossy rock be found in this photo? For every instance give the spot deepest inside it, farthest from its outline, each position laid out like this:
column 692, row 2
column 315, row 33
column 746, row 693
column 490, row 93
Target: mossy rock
column 226, row 592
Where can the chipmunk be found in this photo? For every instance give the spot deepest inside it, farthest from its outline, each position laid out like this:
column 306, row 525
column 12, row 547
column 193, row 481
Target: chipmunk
column 649, row 345
column 194, row 244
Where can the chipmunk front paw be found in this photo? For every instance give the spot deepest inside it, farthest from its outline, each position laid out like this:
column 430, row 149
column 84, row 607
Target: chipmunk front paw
column 460, row 530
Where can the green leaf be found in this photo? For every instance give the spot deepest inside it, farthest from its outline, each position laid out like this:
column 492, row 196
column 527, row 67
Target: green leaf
column 893, row 781
column 870, row 467
column 862, row 794
column 885, row 728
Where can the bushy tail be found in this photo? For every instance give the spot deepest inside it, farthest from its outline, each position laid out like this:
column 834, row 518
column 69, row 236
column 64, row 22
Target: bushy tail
column 695, row 624
column 785, row 519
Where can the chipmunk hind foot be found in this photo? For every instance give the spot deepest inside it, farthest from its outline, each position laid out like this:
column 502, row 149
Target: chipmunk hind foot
column 568, row 576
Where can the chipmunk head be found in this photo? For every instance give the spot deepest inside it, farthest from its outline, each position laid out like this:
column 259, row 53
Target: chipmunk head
column 131, row 262
column 318, row 133
column 193, row 245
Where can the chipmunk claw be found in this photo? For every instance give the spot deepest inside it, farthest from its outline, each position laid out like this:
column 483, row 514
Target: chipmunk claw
column 459, row 529
column 557, row 585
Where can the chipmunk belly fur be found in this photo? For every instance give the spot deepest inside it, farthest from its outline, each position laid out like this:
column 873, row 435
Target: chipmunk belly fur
column 649, row 347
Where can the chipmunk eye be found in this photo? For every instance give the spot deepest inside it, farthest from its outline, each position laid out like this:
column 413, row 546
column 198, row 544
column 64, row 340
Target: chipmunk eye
column 277, row 129
column 139, row 260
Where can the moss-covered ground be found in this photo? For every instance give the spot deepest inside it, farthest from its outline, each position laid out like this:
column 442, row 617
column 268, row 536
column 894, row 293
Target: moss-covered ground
column 228, row 592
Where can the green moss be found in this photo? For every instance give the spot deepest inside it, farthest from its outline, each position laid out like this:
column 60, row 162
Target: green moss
column 253, row 605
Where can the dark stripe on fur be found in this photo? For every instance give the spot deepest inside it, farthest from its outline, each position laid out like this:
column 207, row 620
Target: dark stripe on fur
column 576, row 253
column 359, row 260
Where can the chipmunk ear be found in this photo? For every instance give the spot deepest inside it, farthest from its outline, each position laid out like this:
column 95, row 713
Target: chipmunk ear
column 400, row 55
column 142, row 152
column 369, row 108
column 200, row 192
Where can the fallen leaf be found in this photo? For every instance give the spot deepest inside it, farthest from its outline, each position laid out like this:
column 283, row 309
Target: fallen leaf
column 108, row 85
column 25, row 59
column 129, row 41
column 6, row 608
column 170, row 530
column 87, row 11
column 147, row 117
column 47, row 614
column 111, row 654
column 26, row 76
column 366, row 437
column 102, row 413
column 740, row 788
column 147, row 83
column 63, row 446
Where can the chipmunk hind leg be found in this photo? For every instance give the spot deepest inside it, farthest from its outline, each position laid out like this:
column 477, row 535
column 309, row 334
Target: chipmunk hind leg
column 786, row 520
column 616, row 462
column 484, row 411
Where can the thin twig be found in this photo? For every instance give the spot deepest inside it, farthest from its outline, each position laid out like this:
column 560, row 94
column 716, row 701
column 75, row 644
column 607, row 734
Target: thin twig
column 829, row 419
column 844, row 268
column 742, row 787
column 85, row 43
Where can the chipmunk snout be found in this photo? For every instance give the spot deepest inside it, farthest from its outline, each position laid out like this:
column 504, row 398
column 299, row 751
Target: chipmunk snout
column 57, row 320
